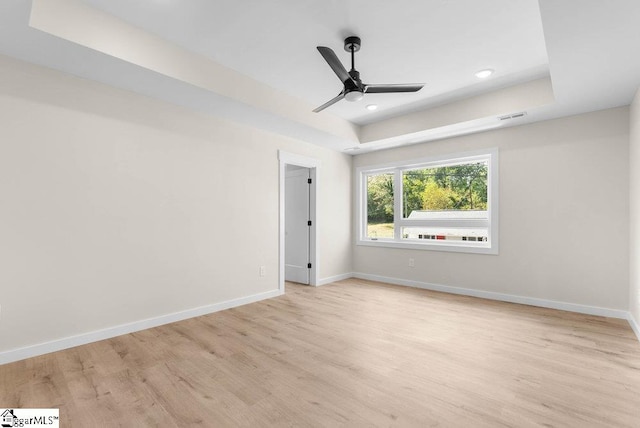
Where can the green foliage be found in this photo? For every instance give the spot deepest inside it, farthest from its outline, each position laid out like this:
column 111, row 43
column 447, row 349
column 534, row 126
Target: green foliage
column 412, row 187
column 380, row 198
column 458, row 187
column 436, row 198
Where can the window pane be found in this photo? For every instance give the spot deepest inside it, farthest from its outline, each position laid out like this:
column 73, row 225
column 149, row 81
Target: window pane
column 380, row 206
column 455, row 188
column 431, row 234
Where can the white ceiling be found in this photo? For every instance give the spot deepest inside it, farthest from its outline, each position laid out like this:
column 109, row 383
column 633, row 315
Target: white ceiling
column 442, row 43
column 588, row 47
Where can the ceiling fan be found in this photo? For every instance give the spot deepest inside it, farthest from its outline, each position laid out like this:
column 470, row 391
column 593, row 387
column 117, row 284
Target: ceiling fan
column 354, row 89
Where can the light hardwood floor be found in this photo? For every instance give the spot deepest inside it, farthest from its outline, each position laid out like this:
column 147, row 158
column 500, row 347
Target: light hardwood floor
column 353, row 353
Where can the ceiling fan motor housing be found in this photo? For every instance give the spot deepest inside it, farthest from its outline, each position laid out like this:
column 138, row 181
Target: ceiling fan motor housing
column 355, row 75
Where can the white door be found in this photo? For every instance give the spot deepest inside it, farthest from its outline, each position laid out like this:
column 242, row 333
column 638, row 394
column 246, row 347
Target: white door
column 297, row 229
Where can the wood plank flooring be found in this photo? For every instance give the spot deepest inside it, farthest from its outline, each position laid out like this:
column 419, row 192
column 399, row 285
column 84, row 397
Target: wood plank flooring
column 353, row 353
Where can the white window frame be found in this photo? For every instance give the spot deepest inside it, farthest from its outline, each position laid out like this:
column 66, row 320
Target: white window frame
column 491, row 223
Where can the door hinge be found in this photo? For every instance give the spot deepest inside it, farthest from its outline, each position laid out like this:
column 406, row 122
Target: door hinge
column 309, row 265
column 309, row 223
column 309, row 180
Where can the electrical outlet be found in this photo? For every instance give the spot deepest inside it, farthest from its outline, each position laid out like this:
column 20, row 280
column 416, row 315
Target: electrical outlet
column 263, row 270
column 412, row 263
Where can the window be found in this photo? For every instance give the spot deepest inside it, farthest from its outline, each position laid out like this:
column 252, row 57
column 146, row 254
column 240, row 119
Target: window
column 380, row 205
column 446, row 203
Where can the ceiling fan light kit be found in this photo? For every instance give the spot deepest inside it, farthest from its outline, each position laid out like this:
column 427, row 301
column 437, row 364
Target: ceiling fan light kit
column 353, row 87
column 353, row 96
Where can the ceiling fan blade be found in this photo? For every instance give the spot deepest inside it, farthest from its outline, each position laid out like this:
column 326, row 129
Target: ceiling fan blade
column 384, row 89
column 330, row 102
column 335, row 64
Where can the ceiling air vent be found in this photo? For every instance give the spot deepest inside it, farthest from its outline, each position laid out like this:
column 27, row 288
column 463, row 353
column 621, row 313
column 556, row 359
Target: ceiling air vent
column 513, row 116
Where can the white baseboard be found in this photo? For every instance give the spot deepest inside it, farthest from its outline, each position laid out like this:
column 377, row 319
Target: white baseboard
column 107, row 333
column 329, row 280
column 634, row 325
column 532, row 301
column 94, row 336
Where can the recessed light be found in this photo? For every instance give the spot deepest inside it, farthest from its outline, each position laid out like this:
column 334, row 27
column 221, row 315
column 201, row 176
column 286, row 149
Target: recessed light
column 483, row 74
column 372, row 107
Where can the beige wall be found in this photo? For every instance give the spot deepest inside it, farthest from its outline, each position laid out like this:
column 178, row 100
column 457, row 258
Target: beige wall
column 118, row 208
column 634, row 201
column 563, row 214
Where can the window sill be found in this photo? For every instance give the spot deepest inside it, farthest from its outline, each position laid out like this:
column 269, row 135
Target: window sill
column 480, row 248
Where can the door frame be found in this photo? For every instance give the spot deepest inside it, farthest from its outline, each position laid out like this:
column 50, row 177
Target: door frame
column 292, row 240
column 286, row 158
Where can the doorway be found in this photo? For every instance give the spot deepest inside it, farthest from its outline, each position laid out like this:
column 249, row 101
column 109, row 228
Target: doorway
column 297, row 224
column 298, row 244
